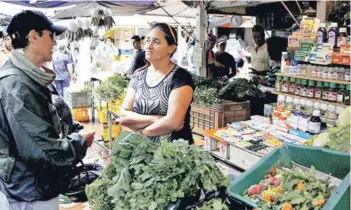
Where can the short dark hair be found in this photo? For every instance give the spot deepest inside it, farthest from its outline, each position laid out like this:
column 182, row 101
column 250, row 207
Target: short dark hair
column 276, row 46
column 170, row 32
column 23, row 41
column 136, row 38
column 258, row 28
column 142, row 38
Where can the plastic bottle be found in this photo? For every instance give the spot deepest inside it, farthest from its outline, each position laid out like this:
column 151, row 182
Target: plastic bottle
column 297, row 86
column 297, row 103
column 289, row 101
column 332, row 95
column 321, row 34
column 309, row 107
column 347, row 75
column 303, row 104
column 311, row 89
column 278, row 84
column 316, row 105
column 342, row 38
column 286, row 84
column 281, row 102
column 309, row 70
column 330, row 73
column 347, row 95
column 336, row 73
column 325, row 72
column 333, row 35
column 341, row 76
column 303, row 70
column 325, row 91
column 314, row 71
column 331, row 113
column 303, row 90
column 324, row 108
column 314, row 125
column 318, row 91
column 292, row 86
column 340, row 94
column 319, row 72
column 283, row 65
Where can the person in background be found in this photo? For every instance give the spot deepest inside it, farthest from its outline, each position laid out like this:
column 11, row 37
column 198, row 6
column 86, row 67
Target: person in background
column 6, row 50
column 60, row 64
column 275, row 47
column 142, row 41
column 191, row 64
column 259, row 55
column 241, row 41
column 34, row 160
column 212, row 64
column 157, row 103
column 234, row 48
column 105, row 53
column 138, row 59
column 228, row 68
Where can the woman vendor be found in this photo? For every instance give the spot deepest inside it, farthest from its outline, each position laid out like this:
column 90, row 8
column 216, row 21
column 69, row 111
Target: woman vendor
column 158, row 99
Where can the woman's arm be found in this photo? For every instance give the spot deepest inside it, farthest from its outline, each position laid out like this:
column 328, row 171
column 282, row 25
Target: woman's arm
column 132, row 120
column 178, row 104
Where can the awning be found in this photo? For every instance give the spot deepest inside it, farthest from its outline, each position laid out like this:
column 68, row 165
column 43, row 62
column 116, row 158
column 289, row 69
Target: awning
column 42, row 4
column 175, row 8
column 118, row 8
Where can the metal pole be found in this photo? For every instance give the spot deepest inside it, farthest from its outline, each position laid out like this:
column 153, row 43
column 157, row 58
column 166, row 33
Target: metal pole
column 287, row 9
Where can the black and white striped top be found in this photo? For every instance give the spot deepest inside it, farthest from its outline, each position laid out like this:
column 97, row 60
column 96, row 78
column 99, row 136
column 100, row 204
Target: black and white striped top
column 154, row 100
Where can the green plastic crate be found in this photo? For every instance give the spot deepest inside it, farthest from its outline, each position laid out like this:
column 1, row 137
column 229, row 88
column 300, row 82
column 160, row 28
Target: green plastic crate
column 324, row 160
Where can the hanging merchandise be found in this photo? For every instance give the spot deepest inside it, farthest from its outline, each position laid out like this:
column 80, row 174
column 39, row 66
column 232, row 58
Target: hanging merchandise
column 71, row 33
column 87, row 31
column 102, row 18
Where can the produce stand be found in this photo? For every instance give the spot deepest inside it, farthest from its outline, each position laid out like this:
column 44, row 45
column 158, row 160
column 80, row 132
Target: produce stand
column 338, row 165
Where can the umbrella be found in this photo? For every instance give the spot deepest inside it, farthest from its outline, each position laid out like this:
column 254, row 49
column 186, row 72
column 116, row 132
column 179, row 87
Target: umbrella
column 120, row 8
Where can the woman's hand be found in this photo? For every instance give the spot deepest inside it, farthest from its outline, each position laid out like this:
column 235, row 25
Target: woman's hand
column 89, row 137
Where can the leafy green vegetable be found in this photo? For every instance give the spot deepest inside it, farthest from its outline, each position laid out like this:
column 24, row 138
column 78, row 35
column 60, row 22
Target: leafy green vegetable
column 239, row 90
column 204, row 96
column 113, row 87
column 150, row 176
column 214, row 204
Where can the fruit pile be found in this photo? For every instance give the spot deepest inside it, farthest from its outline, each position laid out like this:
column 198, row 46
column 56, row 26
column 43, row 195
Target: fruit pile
column 290, row 189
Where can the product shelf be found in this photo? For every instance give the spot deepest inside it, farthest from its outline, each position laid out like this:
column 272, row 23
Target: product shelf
column 314, row 79
column 312, row 99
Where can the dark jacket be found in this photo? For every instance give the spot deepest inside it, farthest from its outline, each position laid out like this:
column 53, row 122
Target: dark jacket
column 34, row 162
column 229, row 68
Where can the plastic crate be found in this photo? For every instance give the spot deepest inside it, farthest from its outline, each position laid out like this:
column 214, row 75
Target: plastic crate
column 217, row 116
column 102, row 114
column 114, row 105
column 324, row 160
column 81, row 114
column 116, row 130
column 80, row 99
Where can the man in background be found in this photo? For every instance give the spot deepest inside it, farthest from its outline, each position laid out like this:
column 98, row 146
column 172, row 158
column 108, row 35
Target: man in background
column 138, row 59
column 6, row 49
column 228, row 68
column 142, row 42
column 259, row 55
column 60, row 64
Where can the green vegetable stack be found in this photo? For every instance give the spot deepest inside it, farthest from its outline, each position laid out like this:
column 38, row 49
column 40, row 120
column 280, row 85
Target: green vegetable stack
column 150, row 176
column 111, row 88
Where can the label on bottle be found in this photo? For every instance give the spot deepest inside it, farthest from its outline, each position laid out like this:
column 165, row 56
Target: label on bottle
column 332, row 96
column 285, row 88
column 297, row 90
column 292, row 89
column 332, row 38
column 303, row 91
column 341, row 41
column 277, row 87
column 314, row 127
column 325, row 95
column 310, row 92
column 340, row 98
column 318, row 94
column 320, row 37
column 335, row 75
